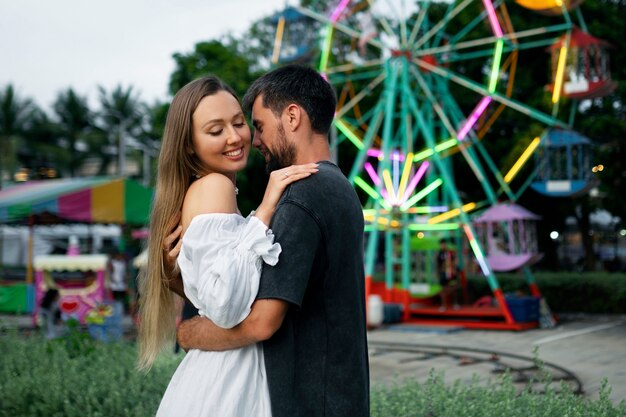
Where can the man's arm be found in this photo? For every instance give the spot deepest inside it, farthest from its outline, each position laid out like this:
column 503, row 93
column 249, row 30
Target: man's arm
column 265, row 318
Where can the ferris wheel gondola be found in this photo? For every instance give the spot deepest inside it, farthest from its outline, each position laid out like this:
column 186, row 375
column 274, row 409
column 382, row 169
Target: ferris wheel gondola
column 565, row 164
column 587, row 72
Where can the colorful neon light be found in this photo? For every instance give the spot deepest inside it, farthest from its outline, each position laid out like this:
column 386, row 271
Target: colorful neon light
column 471, row 121
column 452, row 213
column 349, row 134
column 371, row 227
column 427, row 209
column 495, row 68
column 376, row 153
column 373, row 175
column 446, row 145
column 426, row 227
column 522, row 160
column 382, row 220
column 408, row 163
column 412, row 210
column 477, row 252
column 414, row 181
column 493, row 19
column 395, row 157
column 337, row 13
column 371, row 192
column 423, row 193
column 560, row 71
column 278, row 40
column 326, row 49
column 366, row 187
column 389, row 186
column 426, row 153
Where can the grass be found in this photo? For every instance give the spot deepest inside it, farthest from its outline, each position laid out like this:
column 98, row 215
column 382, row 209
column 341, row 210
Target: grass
column 77, row 376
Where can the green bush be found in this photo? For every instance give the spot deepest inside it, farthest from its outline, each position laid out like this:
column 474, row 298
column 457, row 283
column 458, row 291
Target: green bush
column 500, row 398
column 77, row 376
column 589, row 292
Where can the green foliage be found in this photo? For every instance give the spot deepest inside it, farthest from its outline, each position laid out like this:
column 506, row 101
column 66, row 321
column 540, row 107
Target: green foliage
column 15, row 114
column 497, row 398
column 80, row 377
column 213, row 57
column 75, row 121
column 77, row 376
column 598, row 293
column 122, row 114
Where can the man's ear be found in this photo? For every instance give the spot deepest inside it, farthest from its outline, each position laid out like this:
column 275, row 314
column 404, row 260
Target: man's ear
column 292, row 116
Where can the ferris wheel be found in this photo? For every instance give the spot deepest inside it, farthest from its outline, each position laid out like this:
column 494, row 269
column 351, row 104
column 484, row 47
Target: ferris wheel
column 419, row 86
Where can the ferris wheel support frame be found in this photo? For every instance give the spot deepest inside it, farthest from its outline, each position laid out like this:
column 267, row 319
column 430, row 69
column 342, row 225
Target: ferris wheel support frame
column 384, row 117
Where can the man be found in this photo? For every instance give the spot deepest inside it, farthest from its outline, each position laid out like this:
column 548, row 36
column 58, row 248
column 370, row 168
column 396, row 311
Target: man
column 310, row 309
column 446, row 270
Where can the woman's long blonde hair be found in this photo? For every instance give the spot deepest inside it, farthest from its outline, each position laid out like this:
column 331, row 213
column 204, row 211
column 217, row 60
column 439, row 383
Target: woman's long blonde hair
column 177, row 167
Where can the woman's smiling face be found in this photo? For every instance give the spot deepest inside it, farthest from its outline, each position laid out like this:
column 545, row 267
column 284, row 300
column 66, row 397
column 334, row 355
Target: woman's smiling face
column 221, row 136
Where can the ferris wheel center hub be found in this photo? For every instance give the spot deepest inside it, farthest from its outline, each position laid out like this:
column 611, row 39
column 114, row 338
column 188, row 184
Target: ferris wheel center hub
column 401, row 52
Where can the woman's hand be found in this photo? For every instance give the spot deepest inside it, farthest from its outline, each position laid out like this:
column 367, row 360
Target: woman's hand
column 279, row 180
column 171, row 248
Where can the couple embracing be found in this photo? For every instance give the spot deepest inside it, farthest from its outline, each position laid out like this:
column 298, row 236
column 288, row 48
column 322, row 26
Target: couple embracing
column 280, row 293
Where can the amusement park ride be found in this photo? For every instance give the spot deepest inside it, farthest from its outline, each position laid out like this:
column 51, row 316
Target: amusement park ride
column 399, row 70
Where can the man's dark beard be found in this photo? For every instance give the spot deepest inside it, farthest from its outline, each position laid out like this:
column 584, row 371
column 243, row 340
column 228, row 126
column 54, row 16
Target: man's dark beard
column 285, row 154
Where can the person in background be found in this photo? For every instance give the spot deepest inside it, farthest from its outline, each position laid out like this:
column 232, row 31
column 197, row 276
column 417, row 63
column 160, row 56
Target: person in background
column 447, row 274
column 118, row 280
column 51, row 314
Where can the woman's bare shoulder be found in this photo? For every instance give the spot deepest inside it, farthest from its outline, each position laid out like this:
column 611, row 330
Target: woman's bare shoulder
column 213, row 193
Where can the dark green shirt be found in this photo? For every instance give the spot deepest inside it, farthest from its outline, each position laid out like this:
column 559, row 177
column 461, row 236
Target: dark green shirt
column 317, row 362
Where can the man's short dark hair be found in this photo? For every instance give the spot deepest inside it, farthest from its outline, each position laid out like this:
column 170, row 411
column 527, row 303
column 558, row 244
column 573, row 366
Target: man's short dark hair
column 295, row 84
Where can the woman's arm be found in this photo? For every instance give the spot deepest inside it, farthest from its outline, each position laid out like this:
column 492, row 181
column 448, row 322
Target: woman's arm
column 279, row 180
column 263, row 321
column 221, row 255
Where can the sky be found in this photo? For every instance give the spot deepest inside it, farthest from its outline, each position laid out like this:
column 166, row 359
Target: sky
column 48, row 46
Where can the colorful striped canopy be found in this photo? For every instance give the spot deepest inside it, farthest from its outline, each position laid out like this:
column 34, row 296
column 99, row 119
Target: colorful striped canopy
column 91, row 200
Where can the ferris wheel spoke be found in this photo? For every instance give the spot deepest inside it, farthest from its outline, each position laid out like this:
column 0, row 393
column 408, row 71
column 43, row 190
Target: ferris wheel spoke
column 341, row 27
column 383, row 21
column 349, row 67
column 447, row 123
column 469, row 155
column 436, row 28
column 513, row 104
column 512, row 37
column 435, row 103
column 418, row 24
column 358, row 97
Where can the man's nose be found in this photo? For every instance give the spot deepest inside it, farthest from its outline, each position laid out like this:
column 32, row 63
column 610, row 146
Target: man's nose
column 256, row 140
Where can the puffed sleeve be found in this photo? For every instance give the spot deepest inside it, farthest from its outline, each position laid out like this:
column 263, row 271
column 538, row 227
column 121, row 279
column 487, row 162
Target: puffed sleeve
column 220, row 261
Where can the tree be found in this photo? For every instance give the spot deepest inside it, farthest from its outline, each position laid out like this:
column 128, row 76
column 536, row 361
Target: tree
column 221, row 58
column 122, row 118
column 40, row 152
column 14, row 121
column 75, row 122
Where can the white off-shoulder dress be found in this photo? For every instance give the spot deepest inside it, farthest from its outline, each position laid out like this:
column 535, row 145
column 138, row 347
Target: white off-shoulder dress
column 220, row 261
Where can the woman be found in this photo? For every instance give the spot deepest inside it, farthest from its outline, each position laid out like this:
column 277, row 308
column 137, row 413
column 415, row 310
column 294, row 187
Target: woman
column 205, row 143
